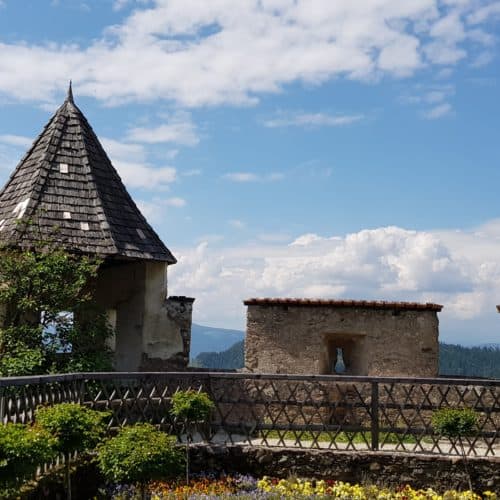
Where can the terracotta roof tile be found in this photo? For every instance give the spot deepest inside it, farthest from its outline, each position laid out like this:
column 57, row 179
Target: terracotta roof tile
column 367, row 304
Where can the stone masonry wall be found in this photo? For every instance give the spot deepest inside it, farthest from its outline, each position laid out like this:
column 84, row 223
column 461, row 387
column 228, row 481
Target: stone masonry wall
column 375, row 342
column 389, row 469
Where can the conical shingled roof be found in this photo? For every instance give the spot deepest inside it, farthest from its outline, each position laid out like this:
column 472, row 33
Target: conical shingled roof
column 67, row 185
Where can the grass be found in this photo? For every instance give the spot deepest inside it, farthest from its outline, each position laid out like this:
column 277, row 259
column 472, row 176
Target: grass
column 341, row 437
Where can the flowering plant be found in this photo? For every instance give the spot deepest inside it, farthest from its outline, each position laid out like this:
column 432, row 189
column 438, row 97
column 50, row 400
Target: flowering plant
column 239, row 486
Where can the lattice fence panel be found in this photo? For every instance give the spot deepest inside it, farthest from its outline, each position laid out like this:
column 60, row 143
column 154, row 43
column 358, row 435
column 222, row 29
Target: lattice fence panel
column 327, row 412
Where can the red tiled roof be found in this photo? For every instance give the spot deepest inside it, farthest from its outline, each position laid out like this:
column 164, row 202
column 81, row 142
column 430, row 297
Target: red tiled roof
column 367, row 304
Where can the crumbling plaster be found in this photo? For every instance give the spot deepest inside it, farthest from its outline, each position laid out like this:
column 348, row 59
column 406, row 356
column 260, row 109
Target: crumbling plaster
column 150, row 328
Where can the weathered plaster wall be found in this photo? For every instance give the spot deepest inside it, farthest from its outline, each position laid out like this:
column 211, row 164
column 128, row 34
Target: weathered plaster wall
column 147, row 333
column 160, row 352
column 302, row 339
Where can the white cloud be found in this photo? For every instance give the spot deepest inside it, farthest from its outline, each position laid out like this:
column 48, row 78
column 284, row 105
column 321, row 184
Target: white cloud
column 12, row 148
column 191, row 173
column 123, row 150
column 156, row 209
column 437, row 112
column 428, row 94
column 139, row 175
column 483, row 59
column 252, row 177
column 459, row 269
column 236, row 223
column 311, row 120
column 130, row 160
column 16, row 140
column 208, row 53
column 274, row 237
column 485, row 13
column 433, row 95
column 170, row 155
column 179, row 129
column 121, row 4
column 444, row 73
column 175, row 202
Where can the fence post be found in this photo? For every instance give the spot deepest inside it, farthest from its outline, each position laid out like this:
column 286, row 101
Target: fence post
column 374, row 415
column 81, row 392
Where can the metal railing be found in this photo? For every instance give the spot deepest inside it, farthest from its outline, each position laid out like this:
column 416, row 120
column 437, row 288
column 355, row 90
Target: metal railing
column 307, row 411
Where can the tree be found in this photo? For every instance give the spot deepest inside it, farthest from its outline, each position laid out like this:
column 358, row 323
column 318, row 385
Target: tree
column 22, row 450
column 43, row 294
column 75, row 428
column 138, row 454
column 456, row 423
column 193, row 408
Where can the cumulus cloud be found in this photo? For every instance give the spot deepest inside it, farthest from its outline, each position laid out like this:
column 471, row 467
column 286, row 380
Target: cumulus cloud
column 484, row 13
column 123, row 150
column 209, row 53
column 178, row 129
column 130, row 160
column 139, row 175
column 156, row 209
column 459, row 269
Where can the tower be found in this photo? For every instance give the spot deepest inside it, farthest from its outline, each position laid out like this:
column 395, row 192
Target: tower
column 66, row 181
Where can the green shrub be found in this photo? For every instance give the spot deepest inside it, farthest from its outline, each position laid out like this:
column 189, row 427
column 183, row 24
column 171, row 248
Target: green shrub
column 454, row 422
column 22, row 450
column 138, row 454
column 75, row 427
column 191, row 406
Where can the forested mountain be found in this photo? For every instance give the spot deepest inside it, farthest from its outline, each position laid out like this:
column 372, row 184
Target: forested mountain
column 231, row 358
column 208, row 338
column 454, row 360
column 469, row 361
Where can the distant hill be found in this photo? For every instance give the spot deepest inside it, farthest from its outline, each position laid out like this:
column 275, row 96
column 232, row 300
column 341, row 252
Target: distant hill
column 230, row 359
column 454, row 360
column 209, row 339
column 469, row 361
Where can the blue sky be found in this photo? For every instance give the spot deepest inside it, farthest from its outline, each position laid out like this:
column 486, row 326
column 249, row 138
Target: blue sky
column 286, row 147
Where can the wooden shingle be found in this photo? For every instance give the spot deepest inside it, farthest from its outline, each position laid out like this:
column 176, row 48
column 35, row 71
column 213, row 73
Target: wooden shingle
column 67, row 171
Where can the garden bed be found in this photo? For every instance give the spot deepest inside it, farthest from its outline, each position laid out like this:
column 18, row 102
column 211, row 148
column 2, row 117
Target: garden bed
column 88, row 484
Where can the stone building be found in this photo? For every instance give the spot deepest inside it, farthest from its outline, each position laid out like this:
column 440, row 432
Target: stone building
column 66, row 181
column 342, row 336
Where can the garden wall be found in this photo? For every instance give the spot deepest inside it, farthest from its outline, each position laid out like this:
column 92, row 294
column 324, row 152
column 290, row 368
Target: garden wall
column 388, row 469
